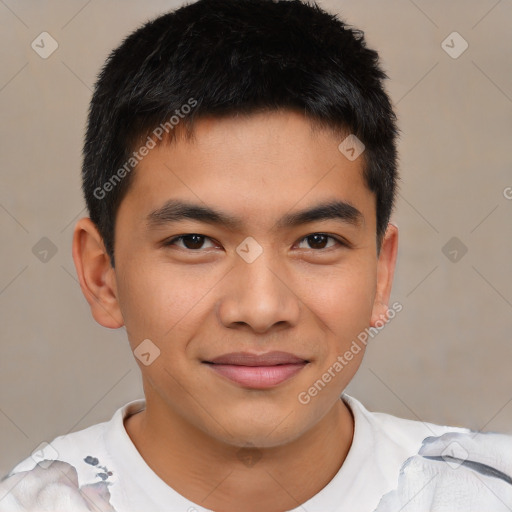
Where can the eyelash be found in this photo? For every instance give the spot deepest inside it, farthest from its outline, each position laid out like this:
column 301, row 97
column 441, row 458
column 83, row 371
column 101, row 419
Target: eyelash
column 339, row 241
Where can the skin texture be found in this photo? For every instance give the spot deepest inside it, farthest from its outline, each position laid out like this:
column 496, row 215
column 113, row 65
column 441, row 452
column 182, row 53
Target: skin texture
column 311, row 299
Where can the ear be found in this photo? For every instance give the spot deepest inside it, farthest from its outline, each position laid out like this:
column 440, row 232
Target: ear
column 95, row 273
column 385, row 273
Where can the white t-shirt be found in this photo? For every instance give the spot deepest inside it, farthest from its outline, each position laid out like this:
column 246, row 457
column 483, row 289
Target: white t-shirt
column 393, row 464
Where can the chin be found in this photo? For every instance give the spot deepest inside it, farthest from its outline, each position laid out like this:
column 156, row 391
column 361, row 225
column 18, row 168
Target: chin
column 251, row 431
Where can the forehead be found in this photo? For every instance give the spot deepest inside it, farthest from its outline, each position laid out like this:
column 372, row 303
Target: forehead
column 255, row 166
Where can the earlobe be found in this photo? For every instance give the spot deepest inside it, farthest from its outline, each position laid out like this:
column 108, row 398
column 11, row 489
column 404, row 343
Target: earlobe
column 385, row 272
column 95, row 274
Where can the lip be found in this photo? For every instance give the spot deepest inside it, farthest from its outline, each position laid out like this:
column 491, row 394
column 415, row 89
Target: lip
column 257, row 371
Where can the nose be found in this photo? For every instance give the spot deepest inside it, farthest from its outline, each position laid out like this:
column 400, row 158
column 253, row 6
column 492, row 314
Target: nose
column 259, row 296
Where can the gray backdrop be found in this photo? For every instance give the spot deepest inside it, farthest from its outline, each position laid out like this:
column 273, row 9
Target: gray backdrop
column 444, row 358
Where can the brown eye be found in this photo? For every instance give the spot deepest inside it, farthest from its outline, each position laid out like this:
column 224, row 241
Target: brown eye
column 319, row 241
column 191, row 241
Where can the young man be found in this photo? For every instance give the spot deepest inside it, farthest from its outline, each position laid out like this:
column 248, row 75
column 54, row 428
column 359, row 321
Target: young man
column 239, row 170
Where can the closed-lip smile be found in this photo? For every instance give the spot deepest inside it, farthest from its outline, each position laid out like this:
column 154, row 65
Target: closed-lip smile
column 257, row 371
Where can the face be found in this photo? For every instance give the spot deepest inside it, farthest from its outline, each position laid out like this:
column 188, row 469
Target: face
column 247, row 256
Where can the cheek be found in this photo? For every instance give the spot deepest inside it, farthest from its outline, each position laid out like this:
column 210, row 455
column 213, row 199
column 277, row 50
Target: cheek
column 158, row 301
column 344, row 300
column 344, row 308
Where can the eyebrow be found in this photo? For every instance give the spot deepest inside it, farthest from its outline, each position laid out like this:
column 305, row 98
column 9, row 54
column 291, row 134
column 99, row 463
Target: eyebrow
column 336, row 210
column 177, row 210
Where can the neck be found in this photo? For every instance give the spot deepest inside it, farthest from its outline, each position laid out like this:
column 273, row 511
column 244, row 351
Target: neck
column 227, row 478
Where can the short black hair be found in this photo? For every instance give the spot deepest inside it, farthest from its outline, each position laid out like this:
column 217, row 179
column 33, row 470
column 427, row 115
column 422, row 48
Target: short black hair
column 227, row 58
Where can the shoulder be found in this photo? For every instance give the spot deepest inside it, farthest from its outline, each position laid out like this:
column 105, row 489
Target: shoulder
column 72, row 470
column 52, row 487
column 68, row 448
column 445, row 468
column 394, row 434
column 457, row 472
